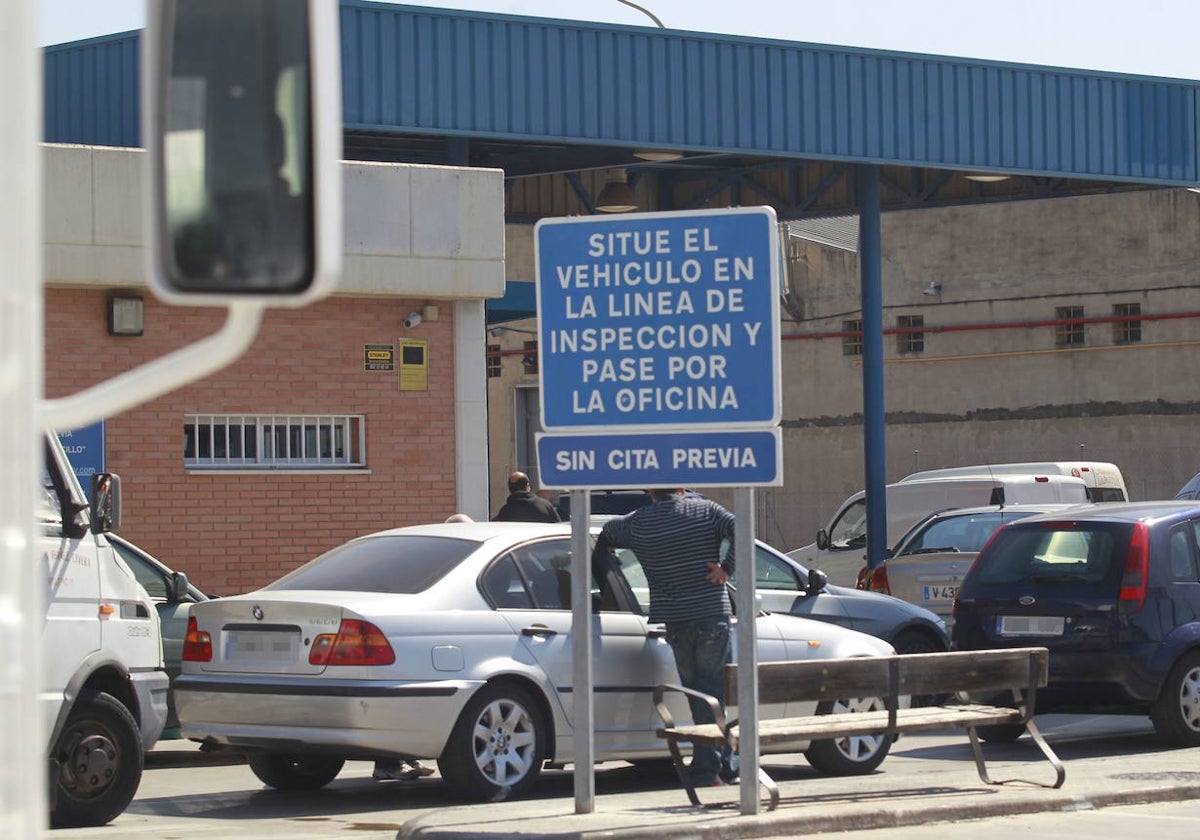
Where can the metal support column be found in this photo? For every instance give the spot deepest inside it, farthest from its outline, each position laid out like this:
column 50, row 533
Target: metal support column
column 874, row 427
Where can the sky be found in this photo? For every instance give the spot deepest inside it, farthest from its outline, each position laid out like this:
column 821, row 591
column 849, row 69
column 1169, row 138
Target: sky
column 1147, row 37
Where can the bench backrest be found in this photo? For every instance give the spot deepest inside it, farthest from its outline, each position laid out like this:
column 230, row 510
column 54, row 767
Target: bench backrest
column 878, row 676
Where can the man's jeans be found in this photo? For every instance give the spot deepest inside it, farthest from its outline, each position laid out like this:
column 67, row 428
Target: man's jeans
column 702, row 649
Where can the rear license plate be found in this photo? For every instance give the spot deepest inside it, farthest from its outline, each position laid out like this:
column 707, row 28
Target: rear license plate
column 939, row 592
column 259, row 647
column 1029, row 625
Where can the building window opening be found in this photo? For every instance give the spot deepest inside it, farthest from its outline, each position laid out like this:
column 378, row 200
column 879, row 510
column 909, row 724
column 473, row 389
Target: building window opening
column 1068, row 332
column 271, row 441
column 1130, row 331
column 852, row 340
column 493, row 361
column 910, row 335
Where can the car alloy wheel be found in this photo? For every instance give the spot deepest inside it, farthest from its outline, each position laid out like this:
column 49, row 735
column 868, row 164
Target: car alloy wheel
column 497, row 746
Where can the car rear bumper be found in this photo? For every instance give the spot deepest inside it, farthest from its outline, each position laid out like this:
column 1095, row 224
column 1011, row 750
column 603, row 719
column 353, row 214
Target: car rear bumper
column 343, row 717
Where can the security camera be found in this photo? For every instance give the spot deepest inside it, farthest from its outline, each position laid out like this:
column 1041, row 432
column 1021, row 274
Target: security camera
column 934, row 288
column 412, row 320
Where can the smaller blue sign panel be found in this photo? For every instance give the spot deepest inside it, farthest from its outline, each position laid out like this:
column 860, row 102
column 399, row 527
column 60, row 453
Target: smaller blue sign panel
column 85, row 451
column 686, row 459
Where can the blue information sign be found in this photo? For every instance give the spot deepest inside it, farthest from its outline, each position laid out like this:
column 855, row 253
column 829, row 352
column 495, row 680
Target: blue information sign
column 85, row 451
column 662, row 459
column 659, row 320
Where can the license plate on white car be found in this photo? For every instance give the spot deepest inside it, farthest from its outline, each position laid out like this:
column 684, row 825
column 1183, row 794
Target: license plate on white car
column 259, row 646
column 932, row 592
column 1029, row 625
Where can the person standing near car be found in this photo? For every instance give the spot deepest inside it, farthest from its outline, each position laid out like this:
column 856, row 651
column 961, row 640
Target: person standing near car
column 523, row 505
column 678, row 540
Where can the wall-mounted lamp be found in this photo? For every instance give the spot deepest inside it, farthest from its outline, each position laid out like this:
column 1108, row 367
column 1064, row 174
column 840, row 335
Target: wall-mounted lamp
column 616, row 197
column 412, row 320
column 984, row 177
column 497, row 331
column 429, row 312
column 933, row 289
column 657, row 155
column 125, row 314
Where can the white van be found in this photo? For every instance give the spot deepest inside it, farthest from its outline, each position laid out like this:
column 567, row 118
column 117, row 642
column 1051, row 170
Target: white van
column 840, row 546
column 1104, row 481
column 104, row 689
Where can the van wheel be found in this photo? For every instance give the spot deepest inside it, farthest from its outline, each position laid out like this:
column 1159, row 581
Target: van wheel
column 99, row 755
column 1176, row 712
column 856, row 755
column 294, row 772
column 497, row 747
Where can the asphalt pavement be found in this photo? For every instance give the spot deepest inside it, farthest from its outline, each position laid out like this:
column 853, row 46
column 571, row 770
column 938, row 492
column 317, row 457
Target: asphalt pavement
column 926, row 779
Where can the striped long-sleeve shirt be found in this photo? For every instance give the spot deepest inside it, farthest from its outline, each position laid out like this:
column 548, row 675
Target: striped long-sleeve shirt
column 674, row 539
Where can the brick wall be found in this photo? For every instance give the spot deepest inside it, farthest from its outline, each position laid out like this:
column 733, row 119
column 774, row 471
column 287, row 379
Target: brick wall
column 235, row 532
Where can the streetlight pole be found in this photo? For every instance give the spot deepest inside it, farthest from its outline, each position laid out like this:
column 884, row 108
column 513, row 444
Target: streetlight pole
column 644, row 11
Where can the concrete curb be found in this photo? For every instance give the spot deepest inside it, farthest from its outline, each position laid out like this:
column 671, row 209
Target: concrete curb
column 726, row 824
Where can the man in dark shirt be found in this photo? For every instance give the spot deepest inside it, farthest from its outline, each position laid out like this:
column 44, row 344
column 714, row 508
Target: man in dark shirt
column 678, row 540
column 523, row 505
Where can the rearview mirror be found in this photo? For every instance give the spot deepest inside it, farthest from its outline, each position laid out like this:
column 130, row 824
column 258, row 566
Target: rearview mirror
column 242, row 128
column 105, row 506
column 822, row 540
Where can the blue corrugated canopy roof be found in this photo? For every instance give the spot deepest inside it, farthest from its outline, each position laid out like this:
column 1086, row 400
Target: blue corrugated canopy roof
column 524, row 92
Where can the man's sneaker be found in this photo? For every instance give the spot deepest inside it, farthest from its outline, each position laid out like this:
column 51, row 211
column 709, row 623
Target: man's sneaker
column 404, row 771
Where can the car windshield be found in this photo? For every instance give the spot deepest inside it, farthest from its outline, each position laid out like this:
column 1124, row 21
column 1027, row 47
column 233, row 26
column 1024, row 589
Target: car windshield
column 1079, row 554
column 401, row 564
column 969, row 532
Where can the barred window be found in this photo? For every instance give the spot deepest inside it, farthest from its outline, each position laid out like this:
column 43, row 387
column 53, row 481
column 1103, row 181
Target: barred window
column 530, row 359
column 1127, row 332
column 493, row 360
column 274, row 441
column 1068, row 334
column 910, row 337
column 852, row 344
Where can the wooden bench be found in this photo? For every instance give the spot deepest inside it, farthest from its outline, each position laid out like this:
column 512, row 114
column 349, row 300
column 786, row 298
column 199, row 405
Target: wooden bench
column 878, row 689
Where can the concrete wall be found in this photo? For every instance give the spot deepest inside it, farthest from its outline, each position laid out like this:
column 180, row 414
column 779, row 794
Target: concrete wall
column 991, row 384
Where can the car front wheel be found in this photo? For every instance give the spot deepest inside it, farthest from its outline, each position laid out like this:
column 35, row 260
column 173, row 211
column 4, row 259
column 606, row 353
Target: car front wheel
column 497, row 747
column 99, row 755
column 855, row 755
column 1176, row 712
column 294, row 772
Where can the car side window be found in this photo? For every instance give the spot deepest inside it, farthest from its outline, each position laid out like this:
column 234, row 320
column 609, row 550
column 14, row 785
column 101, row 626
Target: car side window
column 850, row 530
column 504, row 586
column 770, row 572
column 1183, row 555
column 150, row 578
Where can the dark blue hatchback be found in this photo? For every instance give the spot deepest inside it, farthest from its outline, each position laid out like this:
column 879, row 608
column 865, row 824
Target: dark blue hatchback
column 1113, row 591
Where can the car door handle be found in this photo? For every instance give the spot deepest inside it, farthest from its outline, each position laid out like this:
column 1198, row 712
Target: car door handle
column 538, row 630
column 656, row 632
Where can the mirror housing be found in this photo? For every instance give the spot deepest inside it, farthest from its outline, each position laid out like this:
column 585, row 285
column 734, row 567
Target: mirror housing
column 177, row 588
column 823, row 540
column 817, row 581
column 243, row 132
column 104, row 511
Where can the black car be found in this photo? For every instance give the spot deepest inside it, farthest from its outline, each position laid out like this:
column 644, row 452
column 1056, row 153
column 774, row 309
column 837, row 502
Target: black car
column 1113, row 591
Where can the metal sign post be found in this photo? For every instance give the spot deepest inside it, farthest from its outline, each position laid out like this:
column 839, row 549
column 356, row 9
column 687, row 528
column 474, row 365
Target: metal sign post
column 659, row 360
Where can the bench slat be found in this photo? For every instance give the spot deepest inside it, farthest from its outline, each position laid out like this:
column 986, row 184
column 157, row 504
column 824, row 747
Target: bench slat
column 782, row 731
column 928, row 673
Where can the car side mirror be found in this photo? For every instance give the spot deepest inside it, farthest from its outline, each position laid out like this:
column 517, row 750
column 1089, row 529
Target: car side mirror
column 177, row 588
column 823, row 540
column 105, row 507
column 817, row 580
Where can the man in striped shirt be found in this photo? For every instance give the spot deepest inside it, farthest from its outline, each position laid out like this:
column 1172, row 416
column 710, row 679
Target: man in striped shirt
column 678, row 540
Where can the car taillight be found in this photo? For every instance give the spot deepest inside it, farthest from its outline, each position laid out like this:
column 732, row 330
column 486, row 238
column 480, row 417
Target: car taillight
column 877, row 580
column 864, row 574
column 197, row 645
column 1133, row 579
column 355, row 643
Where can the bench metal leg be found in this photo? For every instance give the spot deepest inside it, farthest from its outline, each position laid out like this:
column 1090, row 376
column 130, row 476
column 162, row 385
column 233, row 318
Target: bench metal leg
column 685, row 777
column 1031, row 727
column 772, row 789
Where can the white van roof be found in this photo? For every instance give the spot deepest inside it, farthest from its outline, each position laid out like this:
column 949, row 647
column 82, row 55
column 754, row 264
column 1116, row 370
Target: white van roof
column 1097, row 474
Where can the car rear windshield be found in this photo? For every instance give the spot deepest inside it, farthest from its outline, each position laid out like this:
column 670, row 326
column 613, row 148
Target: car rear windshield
column 402, row 564
column 968, row 532
column 1080, row 554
